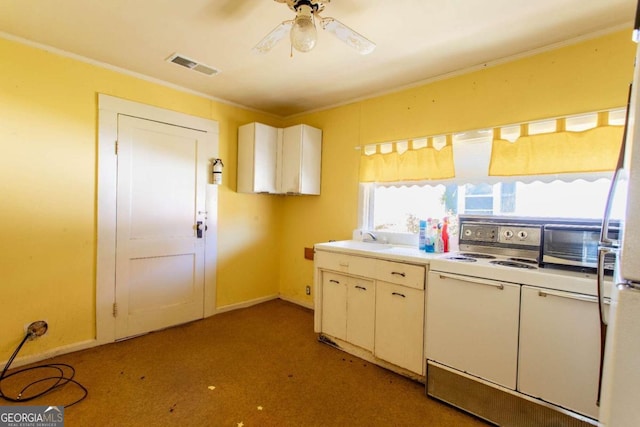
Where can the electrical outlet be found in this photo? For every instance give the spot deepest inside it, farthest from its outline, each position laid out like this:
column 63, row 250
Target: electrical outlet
column 308, row 290
column 36, row 329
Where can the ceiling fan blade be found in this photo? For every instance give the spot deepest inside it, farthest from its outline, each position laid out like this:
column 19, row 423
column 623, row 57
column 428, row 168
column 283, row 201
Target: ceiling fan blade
column 347, row 35
column 270, row 40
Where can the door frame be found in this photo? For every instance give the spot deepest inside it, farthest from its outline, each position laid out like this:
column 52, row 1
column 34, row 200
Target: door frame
column 109, row 107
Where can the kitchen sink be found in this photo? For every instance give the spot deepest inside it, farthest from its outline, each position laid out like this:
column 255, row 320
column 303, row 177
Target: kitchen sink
column 363, row 245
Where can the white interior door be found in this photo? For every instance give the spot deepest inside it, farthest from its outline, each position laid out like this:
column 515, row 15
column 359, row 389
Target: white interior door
column 161, row 186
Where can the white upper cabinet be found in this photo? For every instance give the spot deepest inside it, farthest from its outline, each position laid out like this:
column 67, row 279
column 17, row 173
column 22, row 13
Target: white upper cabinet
column 279, row 161
column 301, row 153
column 257, row 152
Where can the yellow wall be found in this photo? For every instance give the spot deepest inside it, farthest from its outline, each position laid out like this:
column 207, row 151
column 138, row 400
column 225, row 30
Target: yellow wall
column 48, row 112
column 48, row 124
column 583, row 77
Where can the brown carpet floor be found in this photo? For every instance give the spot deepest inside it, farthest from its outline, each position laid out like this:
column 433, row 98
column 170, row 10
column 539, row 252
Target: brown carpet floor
column 259, row 366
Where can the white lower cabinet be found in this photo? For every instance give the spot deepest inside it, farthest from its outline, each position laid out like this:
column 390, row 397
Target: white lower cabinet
column 334, row 305
column 348, row 309
column 399, row 331
column 560, row 348
column 361, row 300
column 472, row 326
column 376, row 305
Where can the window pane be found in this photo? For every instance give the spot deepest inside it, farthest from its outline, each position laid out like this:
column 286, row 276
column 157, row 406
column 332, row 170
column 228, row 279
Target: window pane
column 479, row 204
column 508, row 197
column 399, row 209
column 478, row 189
column 577, row 199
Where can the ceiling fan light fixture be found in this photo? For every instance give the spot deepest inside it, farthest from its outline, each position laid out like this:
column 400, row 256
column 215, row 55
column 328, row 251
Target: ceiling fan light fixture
column 303, row 33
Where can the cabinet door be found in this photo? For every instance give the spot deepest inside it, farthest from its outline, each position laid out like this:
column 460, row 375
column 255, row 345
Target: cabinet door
column 360, row 312
column 472, row 326
column 560, row 348
column 300, row 163
column 399, row 326
column 257, row 152
column 334, row 305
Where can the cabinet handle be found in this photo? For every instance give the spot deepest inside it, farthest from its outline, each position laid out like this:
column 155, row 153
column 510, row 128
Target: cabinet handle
column 579, row 297
column 398, row 273
column 361, row 287
column 398, row 294
column 334, row 281
column 474, row 281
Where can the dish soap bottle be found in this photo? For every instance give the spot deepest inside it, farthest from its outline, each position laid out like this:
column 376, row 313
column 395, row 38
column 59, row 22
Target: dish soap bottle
column 445, row 234
column 422, row 235
column 429, row 245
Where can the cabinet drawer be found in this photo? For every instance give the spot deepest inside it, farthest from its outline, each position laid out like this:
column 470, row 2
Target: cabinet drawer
column 400, row 273
column 355, row 265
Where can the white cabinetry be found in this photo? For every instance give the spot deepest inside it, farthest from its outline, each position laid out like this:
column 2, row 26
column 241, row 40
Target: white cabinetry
column 399, row 333
column 279, row 161
column 373, row 304
column 334, row 295
column 560, row 348
column 360, row 312
column 257, row 152
column 301, row 154
column 348, row 309
column 472, row 326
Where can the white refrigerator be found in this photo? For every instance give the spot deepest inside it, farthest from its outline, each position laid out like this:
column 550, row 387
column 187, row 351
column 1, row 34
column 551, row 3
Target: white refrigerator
column 620, row 385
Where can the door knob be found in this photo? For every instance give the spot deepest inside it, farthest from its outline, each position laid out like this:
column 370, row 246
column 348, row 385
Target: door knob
column 200, row 227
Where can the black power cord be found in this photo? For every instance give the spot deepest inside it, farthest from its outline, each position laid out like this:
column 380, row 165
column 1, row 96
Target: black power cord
column 61, row 379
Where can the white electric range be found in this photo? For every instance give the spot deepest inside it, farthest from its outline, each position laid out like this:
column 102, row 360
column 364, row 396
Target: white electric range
column 509, row 252
column 510, row 329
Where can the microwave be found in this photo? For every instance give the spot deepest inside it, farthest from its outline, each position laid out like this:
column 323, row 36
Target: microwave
column 574, row 246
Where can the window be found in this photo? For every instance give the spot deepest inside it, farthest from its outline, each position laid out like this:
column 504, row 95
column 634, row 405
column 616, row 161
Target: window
column 539, row 169
column 399, row 208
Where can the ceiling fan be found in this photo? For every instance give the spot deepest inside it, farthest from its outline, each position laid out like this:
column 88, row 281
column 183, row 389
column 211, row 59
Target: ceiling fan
column 302, row 29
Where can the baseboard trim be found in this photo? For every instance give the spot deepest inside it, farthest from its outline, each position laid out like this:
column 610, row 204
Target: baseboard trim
column 83, row 345
column 39, row 357
column 246, row 304
column 304, row 304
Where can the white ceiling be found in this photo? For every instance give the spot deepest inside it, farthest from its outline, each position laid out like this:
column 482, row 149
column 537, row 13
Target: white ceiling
column 416, row 40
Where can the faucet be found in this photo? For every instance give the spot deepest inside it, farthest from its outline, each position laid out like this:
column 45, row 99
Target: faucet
column 373, row 237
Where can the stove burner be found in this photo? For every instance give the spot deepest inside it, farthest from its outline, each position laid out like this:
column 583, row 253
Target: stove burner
column 525, row 260
column 475, row 255
column 461, row 258
column 507, row 263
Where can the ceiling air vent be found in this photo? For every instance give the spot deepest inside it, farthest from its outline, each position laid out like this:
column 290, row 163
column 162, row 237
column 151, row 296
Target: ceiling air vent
column 182, row 60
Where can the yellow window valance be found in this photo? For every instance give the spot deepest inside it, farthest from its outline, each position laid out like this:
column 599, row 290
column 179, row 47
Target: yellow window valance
column 584, row 143
column 559, row 151
column 410, row 161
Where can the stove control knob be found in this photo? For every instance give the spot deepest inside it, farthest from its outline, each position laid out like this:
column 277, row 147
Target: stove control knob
column 522, row 234
column 508, row 234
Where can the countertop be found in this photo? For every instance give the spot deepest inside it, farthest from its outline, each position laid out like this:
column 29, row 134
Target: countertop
column 563, row 280
column 401, row 253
